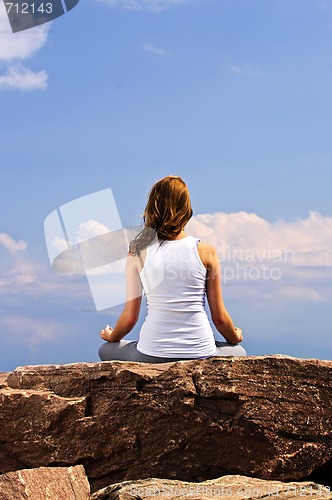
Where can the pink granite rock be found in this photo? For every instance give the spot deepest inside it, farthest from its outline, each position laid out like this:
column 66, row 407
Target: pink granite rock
column 268, row 417
column 45, row 483
column 227, row 487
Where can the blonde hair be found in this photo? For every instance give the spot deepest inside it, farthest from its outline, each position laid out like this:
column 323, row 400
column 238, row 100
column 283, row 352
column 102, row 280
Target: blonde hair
column 166, row 213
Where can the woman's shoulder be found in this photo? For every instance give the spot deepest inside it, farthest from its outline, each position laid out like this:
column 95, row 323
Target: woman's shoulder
column 207, row 252
column 206, row 247
column 136, row 261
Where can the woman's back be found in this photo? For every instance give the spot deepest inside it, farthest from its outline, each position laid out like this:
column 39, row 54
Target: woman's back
column 174, row 280
column 178, row 273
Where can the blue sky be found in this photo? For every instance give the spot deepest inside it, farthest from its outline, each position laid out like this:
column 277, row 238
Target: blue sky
column 232, row 95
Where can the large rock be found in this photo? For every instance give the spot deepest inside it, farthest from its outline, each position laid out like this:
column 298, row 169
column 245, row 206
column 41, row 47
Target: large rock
column 45, row 483
column 269, row 417
column 230, row 487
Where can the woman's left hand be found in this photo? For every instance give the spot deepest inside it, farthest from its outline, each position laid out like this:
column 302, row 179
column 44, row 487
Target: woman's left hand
column 106, row 333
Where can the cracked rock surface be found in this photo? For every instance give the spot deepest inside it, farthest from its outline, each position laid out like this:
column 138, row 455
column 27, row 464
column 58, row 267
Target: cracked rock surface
column 230, row 487
column 268, row 416
column 45, row 483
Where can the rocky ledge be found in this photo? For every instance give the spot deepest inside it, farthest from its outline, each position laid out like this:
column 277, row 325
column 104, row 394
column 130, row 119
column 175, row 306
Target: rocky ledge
column 266, row 417
column 61, row 483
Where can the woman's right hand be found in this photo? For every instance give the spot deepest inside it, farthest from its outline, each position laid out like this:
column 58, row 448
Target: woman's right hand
column 239, row 333
column 106, row 333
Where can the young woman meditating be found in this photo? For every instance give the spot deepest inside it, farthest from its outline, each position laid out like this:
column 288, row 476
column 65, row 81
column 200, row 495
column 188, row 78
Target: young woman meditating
column 177, row 272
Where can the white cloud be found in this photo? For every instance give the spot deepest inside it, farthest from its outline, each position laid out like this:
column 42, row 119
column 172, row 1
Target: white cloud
column 59, row 244
column 246, row 69
column 16, row 269
column 273, row 259
column 10, row 244
column 21, row 78
column 20, row 274
column 93, row 254
column 90, row 229
column 86, row 230
column 152, row 5
column 18, row 47
column 23, row 274
column 74, row 260
column 153, row 49
column 246, row 236
column 23, row 44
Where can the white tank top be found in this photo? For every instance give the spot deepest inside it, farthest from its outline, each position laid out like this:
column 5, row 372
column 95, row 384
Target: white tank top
column 174, row 281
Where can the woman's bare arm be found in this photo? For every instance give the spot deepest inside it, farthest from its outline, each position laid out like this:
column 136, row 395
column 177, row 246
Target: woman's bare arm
column 220, row 316
column 129, row 316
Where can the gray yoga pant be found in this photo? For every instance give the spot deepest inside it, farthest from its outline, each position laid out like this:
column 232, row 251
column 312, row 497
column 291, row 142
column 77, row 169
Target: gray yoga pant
column 126, row 350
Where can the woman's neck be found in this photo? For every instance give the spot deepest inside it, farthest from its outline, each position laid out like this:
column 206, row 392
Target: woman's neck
column 181, row 235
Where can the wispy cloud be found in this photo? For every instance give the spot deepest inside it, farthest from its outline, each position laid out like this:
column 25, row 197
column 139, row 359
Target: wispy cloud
column 32, row 332
column 11, row 245
column 20, row 274
column 18, row 47
column 153, row 49
column 23, row 79
column 246, row 69
column 152, row 5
